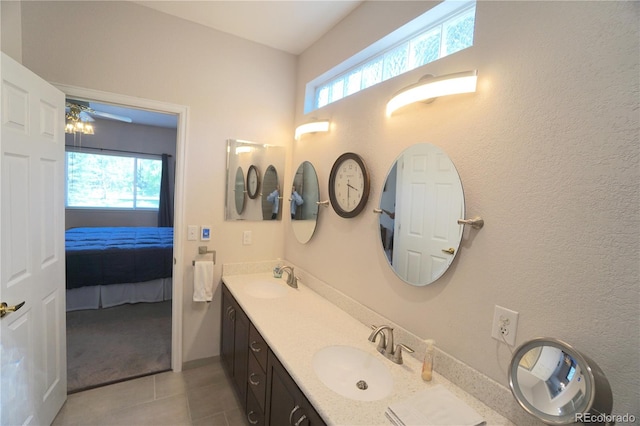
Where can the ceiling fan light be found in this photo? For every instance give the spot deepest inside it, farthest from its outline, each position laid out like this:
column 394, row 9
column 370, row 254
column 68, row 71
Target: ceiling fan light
column 87, row 129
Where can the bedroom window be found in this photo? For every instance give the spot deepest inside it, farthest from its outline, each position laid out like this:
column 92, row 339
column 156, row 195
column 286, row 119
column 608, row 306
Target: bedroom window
column 445, row 29
column 100, row 181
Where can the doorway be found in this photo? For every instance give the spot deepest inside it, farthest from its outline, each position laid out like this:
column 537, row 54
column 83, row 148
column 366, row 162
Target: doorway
column 180, row 112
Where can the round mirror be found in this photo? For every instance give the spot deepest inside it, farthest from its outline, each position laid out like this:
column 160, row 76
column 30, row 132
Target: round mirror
column 557, row 384
column 421, row 203
column 239, row 190
column 303, row 202
column 271, row 197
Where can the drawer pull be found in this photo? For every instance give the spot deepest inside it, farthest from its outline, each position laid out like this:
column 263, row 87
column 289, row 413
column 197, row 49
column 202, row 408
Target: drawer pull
column 253, row 346
column 253, row 422
column 296, row 408
column 254, row 382
column 300, row 420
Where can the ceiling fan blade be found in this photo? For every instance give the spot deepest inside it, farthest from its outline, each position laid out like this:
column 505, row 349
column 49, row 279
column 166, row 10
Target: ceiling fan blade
column 85, row 116
column 110, row 116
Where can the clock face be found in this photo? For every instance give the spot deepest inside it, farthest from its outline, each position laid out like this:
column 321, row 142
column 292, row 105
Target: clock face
column 348, row 185
column 252, row 182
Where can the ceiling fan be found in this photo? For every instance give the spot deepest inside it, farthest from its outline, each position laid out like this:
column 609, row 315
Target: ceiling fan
column 81, row 111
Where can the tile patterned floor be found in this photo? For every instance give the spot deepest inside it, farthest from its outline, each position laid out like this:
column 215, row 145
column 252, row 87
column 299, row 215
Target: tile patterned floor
column 201, row 396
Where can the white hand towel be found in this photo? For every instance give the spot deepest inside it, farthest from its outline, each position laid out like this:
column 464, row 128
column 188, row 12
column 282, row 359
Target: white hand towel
column 203, row 281
column 433, row 406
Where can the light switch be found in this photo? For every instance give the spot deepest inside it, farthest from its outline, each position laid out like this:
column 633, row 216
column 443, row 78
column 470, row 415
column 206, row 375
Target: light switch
column 246, row 238
column 192, row 234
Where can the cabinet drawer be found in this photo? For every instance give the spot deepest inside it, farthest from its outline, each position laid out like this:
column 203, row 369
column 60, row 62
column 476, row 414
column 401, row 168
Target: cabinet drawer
column 258, row 347
column 257, row 381
column 254, row 414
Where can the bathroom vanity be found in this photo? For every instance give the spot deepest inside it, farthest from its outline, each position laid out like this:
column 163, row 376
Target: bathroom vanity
column 269, row 394
column 271, row 334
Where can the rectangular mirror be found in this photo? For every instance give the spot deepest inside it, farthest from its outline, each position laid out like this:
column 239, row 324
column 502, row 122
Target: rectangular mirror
column 254, row 179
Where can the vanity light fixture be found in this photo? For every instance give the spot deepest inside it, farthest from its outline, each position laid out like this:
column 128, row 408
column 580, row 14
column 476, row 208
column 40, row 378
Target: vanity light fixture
column 312, row 127
column 429, row 87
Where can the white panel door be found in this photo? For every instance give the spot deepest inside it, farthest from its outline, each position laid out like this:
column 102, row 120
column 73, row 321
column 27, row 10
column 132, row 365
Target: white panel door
column 428, row 194
column 33, row 358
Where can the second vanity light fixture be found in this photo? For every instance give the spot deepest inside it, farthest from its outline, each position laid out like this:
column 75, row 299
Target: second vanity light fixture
column 312, row 127
column 429, row 87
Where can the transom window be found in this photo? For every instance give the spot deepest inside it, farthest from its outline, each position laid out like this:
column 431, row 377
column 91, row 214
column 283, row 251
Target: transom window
column 443, row 30
column 112, row 182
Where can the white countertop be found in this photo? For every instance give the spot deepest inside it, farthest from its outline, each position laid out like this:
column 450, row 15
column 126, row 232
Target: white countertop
column 297, row 325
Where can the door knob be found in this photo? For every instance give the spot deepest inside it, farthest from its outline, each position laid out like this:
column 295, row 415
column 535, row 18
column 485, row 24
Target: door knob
column 5, row 309
column 450, row 250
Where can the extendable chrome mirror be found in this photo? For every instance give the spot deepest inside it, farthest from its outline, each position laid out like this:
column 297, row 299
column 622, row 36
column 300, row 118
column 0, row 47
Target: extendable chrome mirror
column 557, row 384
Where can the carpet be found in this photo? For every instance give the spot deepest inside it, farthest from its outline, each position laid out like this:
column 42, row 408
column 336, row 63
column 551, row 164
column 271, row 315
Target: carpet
column 110, row 345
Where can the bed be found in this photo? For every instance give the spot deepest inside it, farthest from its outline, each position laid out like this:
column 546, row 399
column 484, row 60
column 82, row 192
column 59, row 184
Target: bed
column 111, row 266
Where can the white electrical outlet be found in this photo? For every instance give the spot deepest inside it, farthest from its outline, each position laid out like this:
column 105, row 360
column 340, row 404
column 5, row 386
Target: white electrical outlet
column 505, row 325
column 192, row 233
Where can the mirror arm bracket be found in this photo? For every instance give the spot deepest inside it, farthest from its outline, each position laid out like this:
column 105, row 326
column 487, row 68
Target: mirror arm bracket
column 324, row 203
column 476, row 223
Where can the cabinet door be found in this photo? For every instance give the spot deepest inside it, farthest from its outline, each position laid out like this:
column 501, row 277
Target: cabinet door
column 234, row 343
column 286, row 404
column 228, row 330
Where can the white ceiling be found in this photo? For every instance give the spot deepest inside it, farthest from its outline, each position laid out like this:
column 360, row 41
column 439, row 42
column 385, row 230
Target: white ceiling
column 291, row 25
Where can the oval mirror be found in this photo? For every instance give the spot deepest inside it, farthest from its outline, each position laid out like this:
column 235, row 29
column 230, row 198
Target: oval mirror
column 557, row 384
column 239, row 190
column 271, row 197
column 303, row 202
column 421, row 202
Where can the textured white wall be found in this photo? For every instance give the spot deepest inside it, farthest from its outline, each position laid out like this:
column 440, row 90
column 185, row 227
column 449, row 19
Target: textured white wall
column 233, row 88
column 548, row 154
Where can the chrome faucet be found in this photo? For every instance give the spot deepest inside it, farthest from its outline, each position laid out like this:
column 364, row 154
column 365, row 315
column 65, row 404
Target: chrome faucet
column 292, row 280
column 386, row 338
column 385, row 344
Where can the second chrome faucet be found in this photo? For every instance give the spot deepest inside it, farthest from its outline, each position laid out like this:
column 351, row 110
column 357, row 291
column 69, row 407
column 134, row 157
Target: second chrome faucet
column 385, row 343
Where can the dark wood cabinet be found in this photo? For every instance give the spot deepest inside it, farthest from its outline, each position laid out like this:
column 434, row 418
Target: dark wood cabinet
column 234, row 343
column 268, row 394
column 286, row 404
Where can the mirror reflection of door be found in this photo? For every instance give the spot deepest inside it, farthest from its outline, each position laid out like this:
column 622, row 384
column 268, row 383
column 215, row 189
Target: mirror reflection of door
column 305, row 214
column 271, row 195
column 421, row 204
column 239, row 190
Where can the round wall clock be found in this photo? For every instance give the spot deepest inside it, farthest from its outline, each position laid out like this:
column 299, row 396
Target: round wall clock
column 253, row 182
column 349, row 185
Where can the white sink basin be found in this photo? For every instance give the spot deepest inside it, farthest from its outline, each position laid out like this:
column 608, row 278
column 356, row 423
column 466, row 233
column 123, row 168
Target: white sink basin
column 353, row 373
column 265, row 289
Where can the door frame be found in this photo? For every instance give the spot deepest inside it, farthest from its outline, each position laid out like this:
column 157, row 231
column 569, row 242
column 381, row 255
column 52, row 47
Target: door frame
column 181, row 141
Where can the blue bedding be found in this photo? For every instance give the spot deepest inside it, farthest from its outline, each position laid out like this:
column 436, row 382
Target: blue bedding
column 102, row 256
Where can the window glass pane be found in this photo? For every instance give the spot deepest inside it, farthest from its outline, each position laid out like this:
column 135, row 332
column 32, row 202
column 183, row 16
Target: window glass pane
column 424, row 49
column 107, row 181
column 372, row 73
column 149, row 174
column 323, row 96
column 395, row 62
column 337, row 90
column 458, row 33
column 354, row 81
column 437, row 40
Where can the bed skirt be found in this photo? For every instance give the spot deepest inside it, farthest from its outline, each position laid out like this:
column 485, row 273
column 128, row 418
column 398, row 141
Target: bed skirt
column 107, row 296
